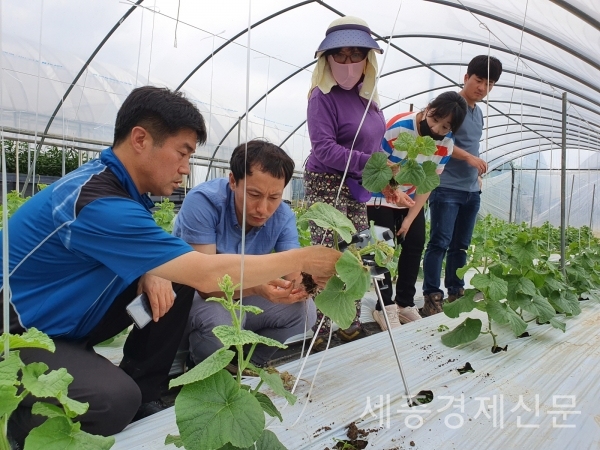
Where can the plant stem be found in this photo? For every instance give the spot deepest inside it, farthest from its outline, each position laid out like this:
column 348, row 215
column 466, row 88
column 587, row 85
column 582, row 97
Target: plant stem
column 4, row 445
column 490, row 331
column 240, row 365
column 255, row 390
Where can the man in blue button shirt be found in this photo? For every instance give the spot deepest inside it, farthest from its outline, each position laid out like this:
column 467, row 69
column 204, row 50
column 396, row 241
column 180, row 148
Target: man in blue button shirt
column 210, row 220
column 454, row 204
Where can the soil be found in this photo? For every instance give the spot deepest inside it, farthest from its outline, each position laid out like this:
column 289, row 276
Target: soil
column 496, row 349
column 309, row 284
column 321, row 431
column 466, row 368
column 524, row 335
column 422, row 398
column 353, row 442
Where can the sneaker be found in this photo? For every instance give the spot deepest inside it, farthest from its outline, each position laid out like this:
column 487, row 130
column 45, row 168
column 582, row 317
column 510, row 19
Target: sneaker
column 147, row 409
column 408, row 314
column 453, row 297
column 392, row 313
column 351, row 333
column 433, row 304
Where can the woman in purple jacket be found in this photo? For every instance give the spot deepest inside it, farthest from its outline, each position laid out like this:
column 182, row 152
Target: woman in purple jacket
column 342, row 84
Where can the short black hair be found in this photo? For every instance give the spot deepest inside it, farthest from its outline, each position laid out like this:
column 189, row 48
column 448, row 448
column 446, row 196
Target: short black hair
column 264, row 156
column 161, row 112
column 479, row 67
column 449, row 103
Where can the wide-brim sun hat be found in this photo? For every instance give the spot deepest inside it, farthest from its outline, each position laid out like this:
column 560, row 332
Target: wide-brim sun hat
column 348, row 31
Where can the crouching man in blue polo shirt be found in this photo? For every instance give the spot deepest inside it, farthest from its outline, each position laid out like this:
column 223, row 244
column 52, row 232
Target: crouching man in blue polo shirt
column 84, row 247
column 210, row 220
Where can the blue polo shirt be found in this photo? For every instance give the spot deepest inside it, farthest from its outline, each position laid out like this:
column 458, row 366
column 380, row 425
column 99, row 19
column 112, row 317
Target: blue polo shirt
column 207, row 216
column 79, row 243
column 459, row 174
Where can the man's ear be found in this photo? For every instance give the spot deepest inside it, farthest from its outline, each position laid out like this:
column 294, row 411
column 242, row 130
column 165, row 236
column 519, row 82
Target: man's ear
column 466, row 78
column 232, row 182
column 140, row 139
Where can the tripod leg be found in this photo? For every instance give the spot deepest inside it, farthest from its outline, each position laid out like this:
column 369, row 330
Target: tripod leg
column 389, row 329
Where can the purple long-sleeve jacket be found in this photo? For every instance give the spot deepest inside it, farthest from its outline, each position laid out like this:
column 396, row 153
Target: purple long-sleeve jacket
column 332, row 123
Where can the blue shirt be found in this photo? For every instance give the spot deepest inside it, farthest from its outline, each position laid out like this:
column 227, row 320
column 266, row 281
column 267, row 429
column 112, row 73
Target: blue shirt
column 458, row 174
column 207, row 216
column 79, row 243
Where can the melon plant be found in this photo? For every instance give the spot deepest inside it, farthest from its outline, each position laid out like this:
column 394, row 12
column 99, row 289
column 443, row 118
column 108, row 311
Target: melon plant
column 379, row 172
column 353, row 277
column 217, row 411
column 18, row 380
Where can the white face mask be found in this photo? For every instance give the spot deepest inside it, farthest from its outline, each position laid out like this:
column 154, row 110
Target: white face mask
column 347, row 75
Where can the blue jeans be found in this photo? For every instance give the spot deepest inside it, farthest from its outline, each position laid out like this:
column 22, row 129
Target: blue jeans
column 453, row 215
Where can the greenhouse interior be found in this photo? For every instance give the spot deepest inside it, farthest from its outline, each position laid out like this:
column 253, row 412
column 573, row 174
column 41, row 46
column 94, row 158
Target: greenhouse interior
column 247, row 66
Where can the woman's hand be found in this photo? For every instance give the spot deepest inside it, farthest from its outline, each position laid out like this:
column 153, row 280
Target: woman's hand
column 404, row 201
column 406, row 223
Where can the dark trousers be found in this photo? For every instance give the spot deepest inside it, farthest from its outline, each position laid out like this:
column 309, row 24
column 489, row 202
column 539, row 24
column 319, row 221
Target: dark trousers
column 410, row 256
column 453, row 217
column 114, row 393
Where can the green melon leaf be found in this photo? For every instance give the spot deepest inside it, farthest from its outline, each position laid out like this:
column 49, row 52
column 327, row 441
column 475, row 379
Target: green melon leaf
column 495, row 288
column 376, row 174
column 425, row 145
column 59, row 433
column 9, row 368
column 538, row 306
column 32, row 338
column 211, row 365
column 9, row 400
column 174, row 439
column 214, row 411
column 273, row 380
column 335, row 303
column 355, row 276
column 326, row 216
column 462, row 334
column 268, row 406
column 558, row 324
column 464, row 304
column 432, row 179
column 405, row 142
column 500, row 312
column 411, row 173
column 45, row 385
column 229, row 336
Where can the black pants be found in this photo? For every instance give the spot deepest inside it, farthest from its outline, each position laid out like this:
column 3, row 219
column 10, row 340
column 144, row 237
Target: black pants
column 410, row 256
column 114, row 393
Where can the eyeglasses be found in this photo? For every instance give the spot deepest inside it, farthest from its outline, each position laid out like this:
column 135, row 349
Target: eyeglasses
column 342, row 58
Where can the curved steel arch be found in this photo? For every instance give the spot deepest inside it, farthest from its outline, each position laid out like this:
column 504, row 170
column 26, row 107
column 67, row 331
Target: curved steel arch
column 572, row 132
column 531, row 77
column 523, row 140
column 542, row 125
column 577, row 13
column 493, row 167
column 495, row 47
column 72, row 85
column 237, row 122
column 512, row 72
column 534, row 124
column 241, row 33
column 525, row 29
